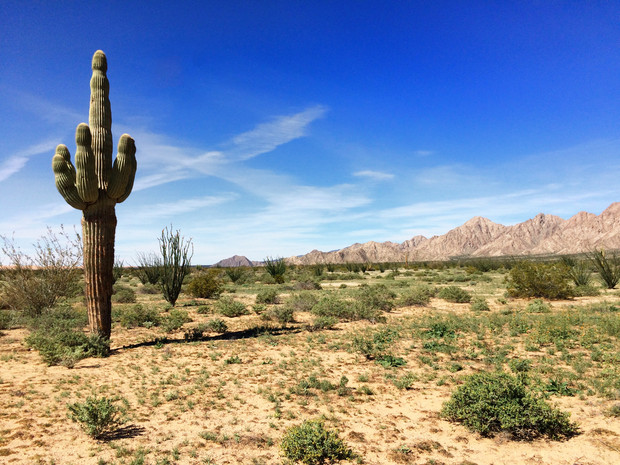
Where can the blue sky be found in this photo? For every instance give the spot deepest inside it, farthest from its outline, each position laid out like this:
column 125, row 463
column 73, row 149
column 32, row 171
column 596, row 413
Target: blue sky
column 273, row 128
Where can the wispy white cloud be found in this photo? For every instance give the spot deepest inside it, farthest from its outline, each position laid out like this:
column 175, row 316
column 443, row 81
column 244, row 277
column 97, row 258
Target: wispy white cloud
column 17, row 161
column 267, row 136
column 170, row 210
column 376, row 175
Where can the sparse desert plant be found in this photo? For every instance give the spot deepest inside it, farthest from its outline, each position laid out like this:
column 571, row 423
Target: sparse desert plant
column 490, row 403
column 229, row 307
column 118, row 270
column 276, row 267
column 322, row 322
column 175, row 320
column 98, row 417
column 608, row 267
column 454, row 294
column 95, row 186
column 479, row 304
column 375, row 345
column 205, row 284
column 267, row 296
column 137, row 315
column 176, row 260
column 538, row 306
column 302, row 301
column 578, row 270
column 419, row 295
column 235, row 273
column 35, row 283
column 149, row 269
column 217, row 325
column 123, row 295
column 377, row 297
column 312, row 444
column 538, row 279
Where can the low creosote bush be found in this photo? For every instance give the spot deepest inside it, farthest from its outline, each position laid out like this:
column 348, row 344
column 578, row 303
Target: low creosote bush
column 537, row 279
column 538, row 306
column 302, row 301
column 123, row 295
column 377, row 297
column 490, row 403
column 175, row 320
column 98, row 417
column 267, row 296
column 454, row 294
column 137, row 315
column 229, row 307
column 417, row 296
column 206, row 285
column 311, row 444
column 479, row 304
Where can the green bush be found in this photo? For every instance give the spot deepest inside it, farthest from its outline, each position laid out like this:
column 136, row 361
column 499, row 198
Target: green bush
column 206, row 285
column 311, row 444
column 377, row 297
column 586, row 290
column 322, row 322
column 608, row 267
column 454, row 294
column 538, row 306
column 276, row 267
column 235, row 274
column 123, row 295
column 419, row 295
column 537, row 279
column 229, row 307
column 375, row 346
column 479, row 304
column 98, row 417
column 175, row 320
column 302, row 301
column 66, row 346
column 137, row 315
column 490, row 403
column 217, row 325
column 267, row 296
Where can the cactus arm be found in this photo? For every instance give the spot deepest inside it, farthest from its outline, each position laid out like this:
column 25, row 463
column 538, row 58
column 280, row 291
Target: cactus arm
column 124, row 170
column 86, row 181
column 64, row 174
column 100, row 119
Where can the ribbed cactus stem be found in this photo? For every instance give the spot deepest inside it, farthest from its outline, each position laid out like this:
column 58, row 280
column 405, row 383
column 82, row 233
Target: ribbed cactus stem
column 100, row 118
column 95, row 186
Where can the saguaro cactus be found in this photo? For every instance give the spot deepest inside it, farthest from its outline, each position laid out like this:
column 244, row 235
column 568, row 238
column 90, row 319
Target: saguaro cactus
column 95, row 186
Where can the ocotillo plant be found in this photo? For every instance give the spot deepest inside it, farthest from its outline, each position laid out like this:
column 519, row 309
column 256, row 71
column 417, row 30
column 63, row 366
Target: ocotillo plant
column 95, row 186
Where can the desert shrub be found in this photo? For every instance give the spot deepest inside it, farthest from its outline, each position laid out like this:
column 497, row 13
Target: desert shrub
column 206, row 285
column 332, row 306
column 545, row 280
column 229, row 307
column 479, row 304
column 608, row 267
column 235, row 273
column 538, row 306
column 123, row 295
column 217, row 325
column 98, row 417
column 174, row 320
column 63, row 346
column 176, row 254
column 322, row 322
column 267, row 296
column 454, row 294
column 149, row 289
column 276, row 267
column 8, row 319
column 137, row 315
column 578, row 270
column 307, row 285
column 311, row 444
column 377, row 297
column 419, row 295
column 302, row 301
column 35, row 283
column 149, row 268
column 375, row 346
column 490, row 403
column 283, row 315
column 586, row 290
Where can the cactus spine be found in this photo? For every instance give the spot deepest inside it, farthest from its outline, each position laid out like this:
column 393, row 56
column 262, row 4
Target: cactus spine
column 95, row 186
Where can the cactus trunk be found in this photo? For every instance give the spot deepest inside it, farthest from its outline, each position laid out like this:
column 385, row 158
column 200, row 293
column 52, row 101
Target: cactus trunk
column 98, row 231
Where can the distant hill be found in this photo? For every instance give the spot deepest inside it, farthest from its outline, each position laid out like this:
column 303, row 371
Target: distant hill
column 234, row 261
column 481, row 237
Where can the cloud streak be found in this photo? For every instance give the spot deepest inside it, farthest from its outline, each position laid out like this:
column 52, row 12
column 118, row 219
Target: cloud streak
column 16, row 162
column 375, row 175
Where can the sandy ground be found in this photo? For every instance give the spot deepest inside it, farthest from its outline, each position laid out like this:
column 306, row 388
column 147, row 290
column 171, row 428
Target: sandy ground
column 186, row 405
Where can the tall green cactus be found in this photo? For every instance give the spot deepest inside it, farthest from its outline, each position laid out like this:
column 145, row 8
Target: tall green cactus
column 95, row 186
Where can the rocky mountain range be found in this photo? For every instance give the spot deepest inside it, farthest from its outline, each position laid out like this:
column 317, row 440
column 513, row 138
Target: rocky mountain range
column 481, row 237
